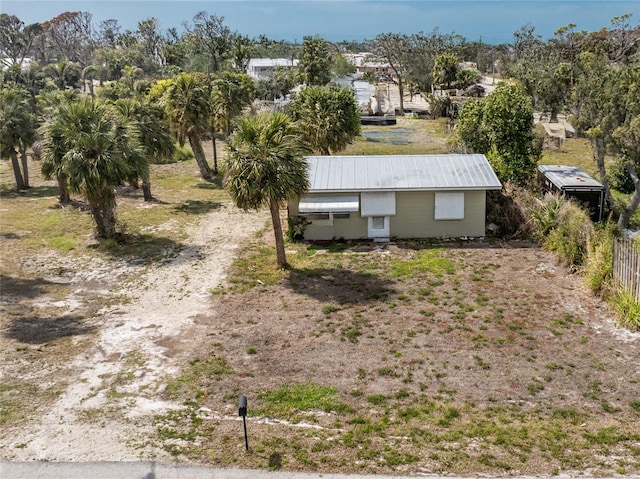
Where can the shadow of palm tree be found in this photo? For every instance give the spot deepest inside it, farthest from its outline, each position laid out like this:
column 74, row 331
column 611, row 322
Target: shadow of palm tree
column 23, row 288
column 33, row 192
column 34, row 330
column 198, row 207
column 339, row 285
column 141, row 248
column 212, row 184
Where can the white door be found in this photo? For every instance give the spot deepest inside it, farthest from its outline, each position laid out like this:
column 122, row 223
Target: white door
column 378, row 227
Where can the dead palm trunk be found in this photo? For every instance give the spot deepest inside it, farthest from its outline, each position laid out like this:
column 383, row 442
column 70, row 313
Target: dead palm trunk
column 281, row 258
column 201, row 159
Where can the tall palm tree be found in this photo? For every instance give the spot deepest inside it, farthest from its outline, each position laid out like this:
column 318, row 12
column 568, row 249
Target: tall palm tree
column 87, row 143
column 153, row 134
column 17, row 131
column 188, row 109
column 265, row 166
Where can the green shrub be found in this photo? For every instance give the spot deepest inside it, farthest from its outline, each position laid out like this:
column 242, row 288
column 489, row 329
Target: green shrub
column 628, row 310
column 619, row 178
column 180, row 153
column 598, row 270
column 570, row 234
column 544, row 215
column 297, row 226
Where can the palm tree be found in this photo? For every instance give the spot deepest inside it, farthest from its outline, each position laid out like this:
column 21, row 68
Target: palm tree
column 61, row 72
column 86, row 143
column 265, row 166
column 231, row 93
column 188, row 108
column 153, row 134
column 17, row 131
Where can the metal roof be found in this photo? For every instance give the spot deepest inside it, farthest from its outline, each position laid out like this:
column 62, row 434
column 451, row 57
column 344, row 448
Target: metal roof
column 401, row 173
column 564, row 176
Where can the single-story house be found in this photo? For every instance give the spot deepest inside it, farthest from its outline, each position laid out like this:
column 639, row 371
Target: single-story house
column 395, row 196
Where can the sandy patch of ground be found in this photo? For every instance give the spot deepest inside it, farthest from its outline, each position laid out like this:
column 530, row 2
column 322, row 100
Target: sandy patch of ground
column 112, row 387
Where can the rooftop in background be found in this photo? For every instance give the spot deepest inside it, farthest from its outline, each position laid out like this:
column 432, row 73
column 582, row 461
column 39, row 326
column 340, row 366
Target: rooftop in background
column 564, row 176
column 401, row 173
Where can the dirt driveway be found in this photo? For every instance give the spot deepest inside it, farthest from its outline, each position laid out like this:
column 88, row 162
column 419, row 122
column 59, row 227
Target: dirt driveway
column 121, row 344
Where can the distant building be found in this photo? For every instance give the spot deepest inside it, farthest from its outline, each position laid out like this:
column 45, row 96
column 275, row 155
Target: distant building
column 377, row 68
column 262, row 68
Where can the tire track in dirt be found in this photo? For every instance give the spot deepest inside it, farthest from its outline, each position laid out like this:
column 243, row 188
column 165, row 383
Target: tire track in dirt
column 107, row 406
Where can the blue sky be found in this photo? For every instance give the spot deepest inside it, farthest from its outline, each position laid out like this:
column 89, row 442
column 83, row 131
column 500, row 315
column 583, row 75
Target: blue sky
column 494, row 21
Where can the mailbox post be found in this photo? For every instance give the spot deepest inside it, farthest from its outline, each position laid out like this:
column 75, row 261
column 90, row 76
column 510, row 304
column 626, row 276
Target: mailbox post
column 242, row 411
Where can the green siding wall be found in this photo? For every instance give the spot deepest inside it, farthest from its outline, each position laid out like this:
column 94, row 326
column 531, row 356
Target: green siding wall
column 414, row 219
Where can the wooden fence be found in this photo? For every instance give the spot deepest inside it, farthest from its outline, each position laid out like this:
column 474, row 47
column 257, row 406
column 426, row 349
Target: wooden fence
column 626, row 267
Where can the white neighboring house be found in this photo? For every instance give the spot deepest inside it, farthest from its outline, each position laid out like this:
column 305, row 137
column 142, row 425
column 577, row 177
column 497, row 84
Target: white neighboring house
column 262, row 68
column 6, row 63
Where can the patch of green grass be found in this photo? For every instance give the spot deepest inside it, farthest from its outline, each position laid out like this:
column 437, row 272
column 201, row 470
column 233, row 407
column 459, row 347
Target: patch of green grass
column 288, row 401
column 330, row 308
column 258, row 268
column 628, row 310
column 430, row 261
column 377, row 399
column 200, row 375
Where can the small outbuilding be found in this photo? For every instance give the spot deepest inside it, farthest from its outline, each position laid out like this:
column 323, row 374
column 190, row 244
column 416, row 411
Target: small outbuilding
column 395, row 196
column 572, row 182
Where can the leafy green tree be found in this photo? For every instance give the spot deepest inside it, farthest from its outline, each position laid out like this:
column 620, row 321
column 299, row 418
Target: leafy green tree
column 188, row 107
column 341, row 67
column 315, row 61
column 594, row 100
column 501, row 126
column 96, row 153
column 17, row 131
column 328, row 117
column 471, row 128
column 446, row 70
column 626, row 137
column 265, row 166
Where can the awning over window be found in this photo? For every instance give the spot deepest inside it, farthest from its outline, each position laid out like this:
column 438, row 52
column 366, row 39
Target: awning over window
column 329, row 204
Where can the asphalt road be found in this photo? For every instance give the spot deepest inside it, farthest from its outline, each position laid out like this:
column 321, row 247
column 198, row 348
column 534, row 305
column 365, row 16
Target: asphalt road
column 153, row 470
